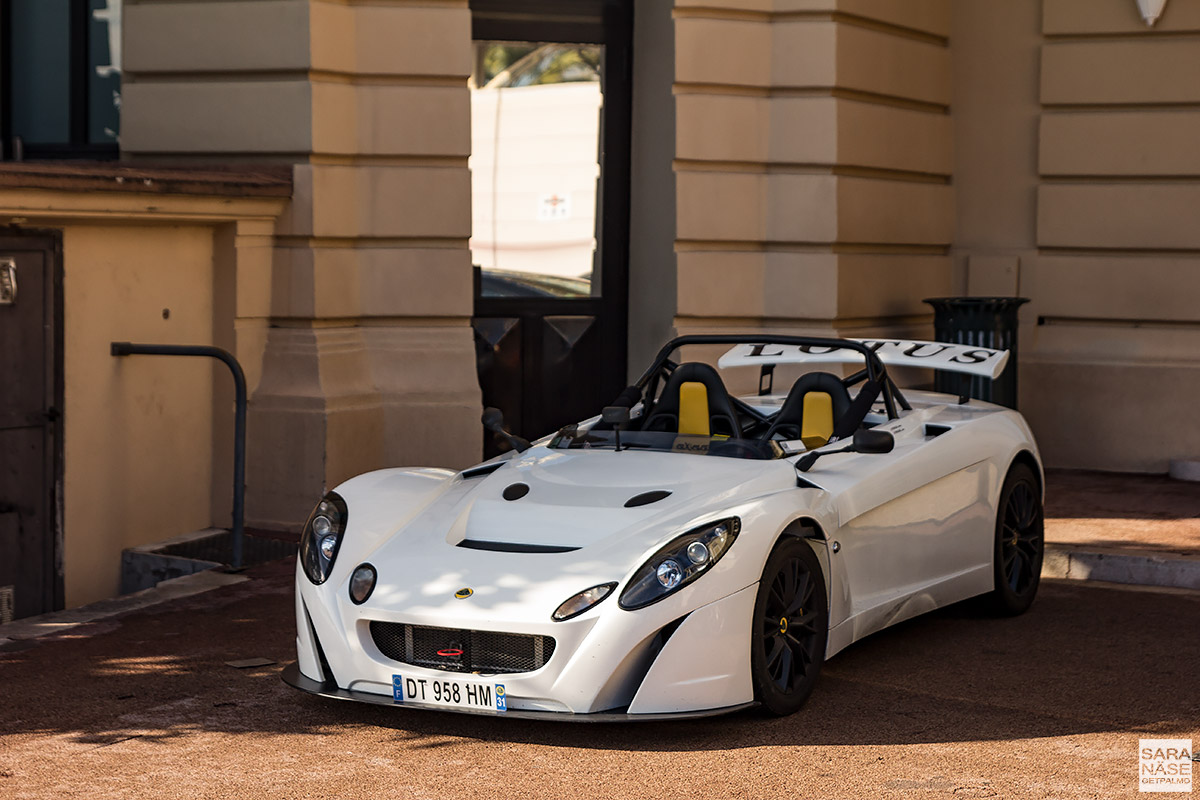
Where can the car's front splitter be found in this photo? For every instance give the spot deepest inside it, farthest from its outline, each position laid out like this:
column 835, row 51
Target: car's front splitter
column 292, row 677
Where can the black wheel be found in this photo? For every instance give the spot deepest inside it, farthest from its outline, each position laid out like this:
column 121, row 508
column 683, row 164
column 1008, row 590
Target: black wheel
column 1020, row 543
column 791, row 623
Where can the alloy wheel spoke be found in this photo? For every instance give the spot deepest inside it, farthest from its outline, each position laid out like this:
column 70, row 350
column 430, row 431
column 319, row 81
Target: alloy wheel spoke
column 1010, row 555
column 802, row 595
column 786, row 675
column 773, row 656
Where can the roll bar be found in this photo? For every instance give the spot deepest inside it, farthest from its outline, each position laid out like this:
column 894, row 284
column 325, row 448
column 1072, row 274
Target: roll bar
column 875, row 371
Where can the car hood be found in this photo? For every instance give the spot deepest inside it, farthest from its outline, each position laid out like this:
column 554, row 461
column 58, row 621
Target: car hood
column 570, row 501
column 576, row 499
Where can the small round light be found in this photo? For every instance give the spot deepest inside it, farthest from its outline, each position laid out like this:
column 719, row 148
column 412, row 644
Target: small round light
column 328, row 545
column 698, row 553
column 321, row 526
column 362, row 583
column 670, row 574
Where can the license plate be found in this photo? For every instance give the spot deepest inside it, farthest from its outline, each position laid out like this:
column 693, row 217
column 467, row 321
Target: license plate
column 450, row 693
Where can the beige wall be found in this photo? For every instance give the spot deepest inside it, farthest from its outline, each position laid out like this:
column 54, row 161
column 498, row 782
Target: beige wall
column 1075, row 134
column 147, row 451
column 138, row 463
column 1118, row 269
column 369, row 357
column 839, row 160
column 813, row 162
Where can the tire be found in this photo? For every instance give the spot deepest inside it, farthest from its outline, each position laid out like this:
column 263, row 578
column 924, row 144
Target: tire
column 1019, row 545
column 790, row 627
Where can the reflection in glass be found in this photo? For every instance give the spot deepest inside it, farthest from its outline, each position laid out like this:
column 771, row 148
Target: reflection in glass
column 40, row 81
column 535, row 123
column 104, row 70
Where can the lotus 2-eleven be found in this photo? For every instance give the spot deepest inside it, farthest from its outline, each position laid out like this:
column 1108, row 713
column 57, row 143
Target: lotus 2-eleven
column 684, row 553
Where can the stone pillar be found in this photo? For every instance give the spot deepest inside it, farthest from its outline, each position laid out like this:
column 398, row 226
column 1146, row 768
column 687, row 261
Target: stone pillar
column 813, row 162
column 1114, row 323
column 369, row 359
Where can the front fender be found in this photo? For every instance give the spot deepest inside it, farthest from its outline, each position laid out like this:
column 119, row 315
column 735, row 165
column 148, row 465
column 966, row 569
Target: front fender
column 379, row 504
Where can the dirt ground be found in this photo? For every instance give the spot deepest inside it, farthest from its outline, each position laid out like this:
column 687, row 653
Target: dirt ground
column 1146, row 513
column 950, row 705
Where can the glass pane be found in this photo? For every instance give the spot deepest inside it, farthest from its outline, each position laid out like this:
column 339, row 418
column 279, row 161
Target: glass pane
column 535, row 171
column 104, row 70
column 41, row 89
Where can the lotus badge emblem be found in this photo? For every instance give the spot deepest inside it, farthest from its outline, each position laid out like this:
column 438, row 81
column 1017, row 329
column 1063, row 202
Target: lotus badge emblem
column 464, row 593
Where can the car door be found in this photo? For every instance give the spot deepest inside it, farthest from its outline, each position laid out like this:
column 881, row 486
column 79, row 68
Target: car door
column 912, row 523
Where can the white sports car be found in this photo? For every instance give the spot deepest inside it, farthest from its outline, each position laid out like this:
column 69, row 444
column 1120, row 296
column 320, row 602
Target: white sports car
column 686, row 552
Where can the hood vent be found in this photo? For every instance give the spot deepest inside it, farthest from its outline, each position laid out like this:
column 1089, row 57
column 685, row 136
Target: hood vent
column 513, row 547
column 646, row 498
column 516, row 491
column 486, row 469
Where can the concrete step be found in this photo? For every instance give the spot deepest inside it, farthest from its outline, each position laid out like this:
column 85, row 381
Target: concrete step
column 1179, row 570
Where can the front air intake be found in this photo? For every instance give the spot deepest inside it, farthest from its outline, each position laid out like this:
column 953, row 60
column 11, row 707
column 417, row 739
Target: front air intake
column 456, row 650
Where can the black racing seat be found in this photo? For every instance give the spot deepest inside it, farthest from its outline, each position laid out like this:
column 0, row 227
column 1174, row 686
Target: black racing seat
column 818, row 409
column 694, row 401
column 810, row 411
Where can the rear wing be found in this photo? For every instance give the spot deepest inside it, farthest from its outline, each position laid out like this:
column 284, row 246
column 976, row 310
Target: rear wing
column 967, row 359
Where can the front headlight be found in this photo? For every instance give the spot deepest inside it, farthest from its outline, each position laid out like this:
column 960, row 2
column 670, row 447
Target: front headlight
column 679, row 563
column 579, row 603
column 322, row 537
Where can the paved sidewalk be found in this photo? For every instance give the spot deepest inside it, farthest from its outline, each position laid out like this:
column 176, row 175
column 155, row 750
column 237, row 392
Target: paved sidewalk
column 1139, row 529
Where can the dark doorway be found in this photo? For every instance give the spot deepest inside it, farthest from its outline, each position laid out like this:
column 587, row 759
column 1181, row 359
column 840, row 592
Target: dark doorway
column 30, row 434
column 551, row 100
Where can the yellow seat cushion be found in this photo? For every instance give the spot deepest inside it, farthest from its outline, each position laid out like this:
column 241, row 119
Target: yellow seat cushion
column 693, row 409
column 817, row 423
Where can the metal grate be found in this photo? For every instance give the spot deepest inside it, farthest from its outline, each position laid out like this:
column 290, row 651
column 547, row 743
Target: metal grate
column 457, row 650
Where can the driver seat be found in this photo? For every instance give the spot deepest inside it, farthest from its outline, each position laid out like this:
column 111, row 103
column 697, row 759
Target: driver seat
column 815, row 404
column 695, row 402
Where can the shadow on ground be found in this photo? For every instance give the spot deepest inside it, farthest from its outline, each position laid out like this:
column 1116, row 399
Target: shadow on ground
column 1081, row 494
column 1083, row 660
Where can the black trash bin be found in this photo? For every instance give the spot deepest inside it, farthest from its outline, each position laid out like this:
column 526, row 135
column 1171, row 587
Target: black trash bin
column 983, row 322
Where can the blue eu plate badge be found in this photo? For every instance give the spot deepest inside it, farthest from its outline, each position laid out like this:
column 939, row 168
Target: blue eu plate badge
column 397, row 689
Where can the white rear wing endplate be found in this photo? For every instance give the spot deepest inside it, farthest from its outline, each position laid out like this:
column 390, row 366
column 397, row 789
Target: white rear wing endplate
column 963, row 358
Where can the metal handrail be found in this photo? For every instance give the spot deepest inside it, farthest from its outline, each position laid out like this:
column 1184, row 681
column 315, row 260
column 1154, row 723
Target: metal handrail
column 239, row 425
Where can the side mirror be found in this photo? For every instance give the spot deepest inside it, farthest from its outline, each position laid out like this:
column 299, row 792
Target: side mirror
column 493, row 420
column 868, row 440
column 617, row 416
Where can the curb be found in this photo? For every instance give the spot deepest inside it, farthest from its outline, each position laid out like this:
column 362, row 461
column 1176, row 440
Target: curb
column 1141, row 568
column 57, row 621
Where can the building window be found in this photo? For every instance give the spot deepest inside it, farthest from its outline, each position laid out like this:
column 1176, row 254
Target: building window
column 60, row 78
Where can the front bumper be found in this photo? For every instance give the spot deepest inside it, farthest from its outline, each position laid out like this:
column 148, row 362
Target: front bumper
column 669, row 660
column 293, row 677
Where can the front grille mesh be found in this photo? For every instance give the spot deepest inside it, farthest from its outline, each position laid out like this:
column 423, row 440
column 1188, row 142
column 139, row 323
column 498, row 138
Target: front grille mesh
column 482, row 651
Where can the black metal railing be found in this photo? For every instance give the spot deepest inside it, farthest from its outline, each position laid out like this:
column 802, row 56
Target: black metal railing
column 239, row 425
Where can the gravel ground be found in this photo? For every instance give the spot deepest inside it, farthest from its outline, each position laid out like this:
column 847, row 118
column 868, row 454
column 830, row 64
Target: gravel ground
column 1050, row 704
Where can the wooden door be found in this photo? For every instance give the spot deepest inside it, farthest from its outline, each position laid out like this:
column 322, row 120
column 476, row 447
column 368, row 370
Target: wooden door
column 30, row 430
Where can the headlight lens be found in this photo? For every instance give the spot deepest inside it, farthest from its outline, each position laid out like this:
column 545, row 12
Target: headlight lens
column 679, row 563
column 581, row 602
column 362, row 583
column 322, row 537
